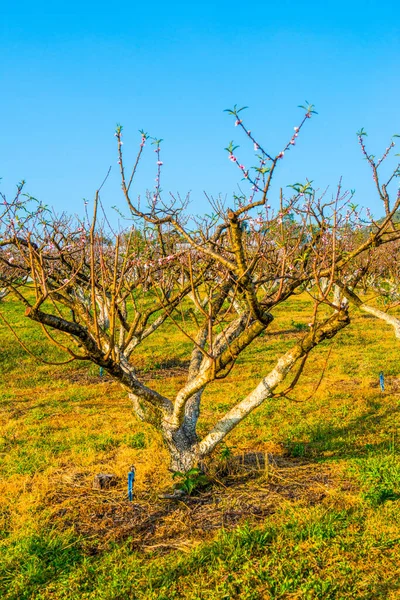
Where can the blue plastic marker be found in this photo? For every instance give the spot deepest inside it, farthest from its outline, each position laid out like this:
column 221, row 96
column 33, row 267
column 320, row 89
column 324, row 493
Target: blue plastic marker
column 382, row 381
column 101, row 371
column 131, row 479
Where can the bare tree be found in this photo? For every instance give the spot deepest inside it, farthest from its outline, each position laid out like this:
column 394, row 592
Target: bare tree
column 218, row 280
column 377, row 271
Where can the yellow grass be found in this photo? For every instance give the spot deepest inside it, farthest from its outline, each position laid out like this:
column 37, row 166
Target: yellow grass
column 327, row 495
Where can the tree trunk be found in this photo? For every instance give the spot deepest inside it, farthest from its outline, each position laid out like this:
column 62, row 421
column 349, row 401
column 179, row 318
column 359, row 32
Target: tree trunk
column 183, row 460
column 183, row 450
column 182, row 443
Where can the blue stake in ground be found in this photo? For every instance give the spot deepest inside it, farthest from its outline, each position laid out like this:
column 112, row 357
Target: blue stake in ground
column 131, row 480
column 101, row 371
column 382, row 381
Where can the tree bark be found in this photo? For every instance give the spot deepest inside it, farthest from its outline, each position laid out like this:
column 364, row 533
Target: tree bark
column 379, row 314
column 183, row 451
column 267, row 385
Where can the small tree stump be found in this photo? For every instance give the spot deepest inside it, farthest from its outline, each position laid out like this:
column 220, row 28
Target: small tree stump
column 104, row 481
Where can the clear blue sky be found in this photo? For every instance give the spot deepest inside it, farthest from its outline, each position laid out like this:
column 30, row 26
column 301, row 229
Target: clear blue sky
column 69, row 71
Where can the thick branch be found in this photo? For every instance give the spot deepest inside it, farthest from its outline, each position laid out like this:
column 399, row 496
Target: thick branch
column 265, row 388
column 379, row 314
column 123, row 375
column 239, row 338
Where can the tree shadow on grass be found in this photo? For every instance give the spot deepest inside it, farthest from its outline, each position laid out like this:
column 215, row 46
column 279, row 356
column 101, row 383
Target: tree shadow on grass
column 35, row 561
column 385, row 589
column 246, row 488
column 327, row 441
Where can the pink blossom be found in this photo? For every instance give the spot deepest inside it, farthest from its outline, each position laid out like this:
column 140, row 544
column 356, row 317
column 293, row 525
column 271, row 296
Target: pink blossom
column 232, row 158
column 256, row 146
column 238, row 122
column 280, row 155
column 296, row 129
column 242, row 167
column 159, row 162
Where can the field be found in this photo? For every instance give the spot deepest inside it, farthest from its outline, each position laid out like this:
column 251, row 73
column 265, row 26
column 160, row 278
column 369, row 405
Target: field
column 303, row 501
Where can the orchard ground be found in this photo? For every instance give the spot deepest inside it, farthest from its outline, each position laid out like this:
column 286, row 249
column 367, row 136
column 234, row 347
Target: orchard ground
column 303, row 500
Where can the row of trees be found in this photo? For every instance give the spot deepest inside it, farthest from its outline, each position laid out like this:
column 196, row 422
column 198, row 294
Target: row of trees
column 98, row 293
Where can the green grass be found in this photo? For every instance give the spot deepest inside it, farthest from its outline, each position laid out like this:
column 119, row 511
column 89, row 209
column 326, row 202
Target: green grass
column 308, row 552
column 323, row 522
column 379, row 476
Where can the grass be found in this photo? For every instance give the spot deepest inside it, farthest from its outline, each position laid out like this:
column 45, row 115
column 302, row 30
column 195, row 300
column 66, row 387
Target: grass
column 317, row 516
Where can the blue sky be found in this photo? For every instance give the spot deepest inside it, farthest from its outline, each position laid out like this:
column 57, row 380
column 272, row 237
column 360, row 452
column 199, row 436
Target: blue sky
column 70, row 71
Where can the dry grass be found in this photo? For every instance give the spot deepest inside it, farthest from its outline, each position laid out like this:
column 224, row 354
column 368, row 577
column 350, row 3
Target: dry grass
column 240, row 490
column 327, row 495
